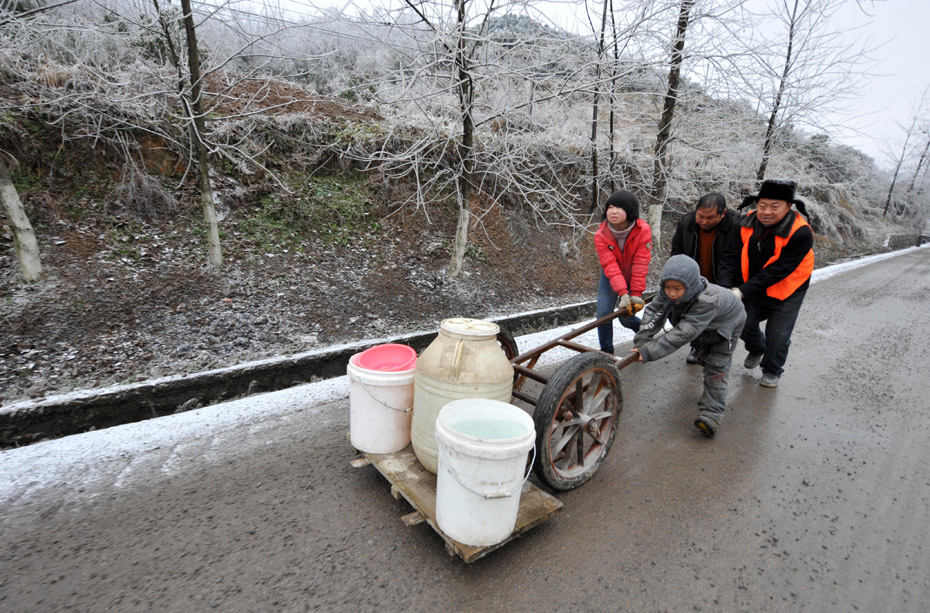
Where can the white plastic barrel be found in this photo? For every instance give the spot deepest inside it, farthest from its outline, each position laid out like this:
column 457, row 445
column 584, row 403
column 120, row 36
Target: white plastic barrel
column 380, row 408
column 483, row 447
column 463, row 361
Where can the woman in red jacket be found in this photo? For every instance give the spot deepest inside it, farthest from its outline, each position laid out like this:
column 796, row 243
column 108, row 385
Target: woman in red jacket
column 624, row 247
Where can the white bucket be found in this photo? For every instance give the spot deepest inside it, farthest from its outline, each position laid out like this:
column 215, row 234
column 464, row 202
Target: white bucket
column 380, row 408
column 483, row 446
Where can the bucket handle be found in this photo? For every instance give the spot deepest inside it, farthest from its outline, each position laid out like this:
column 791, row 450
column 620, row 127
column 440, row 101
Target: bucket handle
column 491, row 495
column 386, row 406
column 457, row 358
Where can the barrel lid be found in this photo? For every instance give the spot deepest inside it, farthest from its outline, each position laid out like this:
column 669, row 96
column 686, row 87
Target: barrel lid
column 469, row 327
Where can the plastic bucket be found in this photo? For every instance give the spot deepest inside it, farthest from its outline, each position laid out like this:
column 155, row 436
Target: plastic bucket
column 483, row 446
column 390, row 356
column 380, row 408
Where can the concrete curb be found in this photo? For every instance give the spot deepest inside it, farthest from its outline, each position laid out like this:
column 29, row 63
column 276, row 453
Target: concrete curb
column 30, row 421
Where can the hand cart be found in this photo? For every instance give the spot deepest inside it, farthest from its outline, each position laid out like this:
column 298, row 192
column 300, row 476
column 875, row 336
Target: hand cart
column 576, row 417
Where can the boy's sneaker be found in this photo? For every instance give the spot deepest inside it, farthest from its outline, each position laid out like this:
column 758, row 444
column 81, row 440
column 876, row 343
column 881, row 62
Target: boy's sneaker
column 768, row 380
column 707, row 423
column 753, row 360
column 694, row 356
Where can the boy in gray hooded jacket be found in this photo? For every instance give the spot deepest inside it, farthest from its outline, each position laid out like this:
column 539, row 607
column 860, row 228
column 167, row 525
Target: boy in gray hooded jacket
column 707, row 315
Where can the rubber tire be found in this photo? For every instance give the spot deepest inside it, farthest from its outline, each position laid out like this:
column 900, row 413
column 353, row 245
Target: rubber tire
column 547, row 405
column 509, row 345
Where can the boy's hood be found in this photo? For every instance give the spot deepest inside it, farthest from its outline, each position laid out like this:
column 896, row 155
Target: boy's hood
column 686, row 271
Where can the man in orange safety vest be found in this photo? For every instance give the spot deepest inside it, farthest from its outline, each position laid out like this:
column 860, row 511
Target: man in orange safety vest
column 768, row 264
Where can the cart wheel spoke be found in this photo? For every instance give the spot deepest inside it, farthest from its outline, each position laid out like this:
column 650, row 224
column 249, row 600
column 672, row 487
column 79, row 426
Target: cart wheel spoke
column 568, row 458
column 597, row 399
column 580, row 447
column 568, row 433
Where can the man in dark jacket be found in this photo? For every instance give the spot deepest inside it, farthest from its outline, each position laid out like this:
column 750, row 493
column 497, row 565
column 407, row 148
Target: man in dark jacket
column 769, row 264
column 702, row 235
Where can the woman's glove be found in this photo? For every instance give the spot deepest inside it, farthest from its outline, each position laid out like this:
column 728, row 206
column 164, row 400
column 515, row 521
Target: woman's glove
column 636, row 304
column 624, row 304
column 736, row 292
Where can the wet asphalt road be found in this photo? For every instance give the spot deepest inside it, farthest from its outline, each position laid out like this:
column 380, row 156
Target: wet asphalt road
column 814, row 496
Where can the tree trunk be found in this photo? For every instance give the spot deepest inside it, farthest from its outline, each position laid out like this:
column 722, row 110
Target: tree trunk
column 461, row 237
column 594, row 112
column 894, row 179
column 466, row 100
column 660, row 168
column 612, row 154
column 920, row 164
column 782, row 84
column 24, row 239
column 215, row 257
column 897, row 168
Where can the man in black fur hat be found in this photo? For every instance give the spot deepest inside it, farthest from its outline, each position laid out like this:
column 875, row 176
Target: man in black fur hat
column 769, row 264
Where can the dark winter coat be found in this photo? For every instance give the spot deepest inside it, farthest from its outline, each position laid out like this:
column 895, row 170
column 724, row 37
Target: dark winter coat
column 685, row 239
column 626, row 268
column 706, row 313
column 761, row 248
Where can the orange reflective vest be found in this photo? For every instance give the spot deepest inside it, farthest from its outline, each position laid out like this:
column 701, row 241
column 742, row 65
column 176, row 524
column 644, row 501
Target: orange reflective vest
column 798, row 277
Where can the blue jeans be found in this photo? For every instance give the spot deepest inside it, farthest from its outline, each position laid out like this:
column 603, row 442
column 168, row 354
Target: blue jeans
column 606, row 303
column 780, row 316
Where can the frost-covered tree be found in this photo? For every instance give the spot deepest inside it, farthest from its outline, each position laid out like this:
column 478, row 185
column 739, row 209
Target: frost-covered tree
column 487, row 92
column 802, row 68
column 913, row 130
column 190, row 90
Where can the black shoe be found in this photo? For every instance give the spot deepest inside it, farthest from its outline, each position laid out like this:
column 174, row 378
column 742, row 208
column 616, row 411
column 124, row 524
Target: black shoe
column 753, row 360
column 694, row 356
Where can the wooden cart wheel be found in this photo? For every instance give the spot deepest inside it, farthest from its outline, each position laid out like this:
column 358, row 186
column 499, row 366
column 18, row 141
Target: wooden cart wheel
column 576, row 420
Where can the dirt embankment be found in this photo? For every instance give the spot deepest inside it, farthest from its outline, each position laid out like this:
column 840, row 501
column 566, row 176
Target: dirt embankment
column 127, row 296
column 125, row 300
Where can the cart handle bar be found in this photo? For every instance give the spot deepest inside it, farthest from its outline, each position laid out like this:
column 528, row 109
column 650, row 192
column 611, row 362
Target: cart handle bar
column 562, row 341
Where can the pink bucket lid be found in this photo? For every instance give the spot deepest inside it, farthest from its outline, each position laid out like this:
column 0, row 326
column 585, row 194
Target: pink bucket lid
column 392, row 357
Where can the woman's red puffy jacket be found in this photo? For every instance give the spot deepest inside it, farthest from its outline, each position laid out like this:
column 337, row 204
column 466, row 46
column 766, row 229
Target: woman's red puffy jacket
column 626, row 268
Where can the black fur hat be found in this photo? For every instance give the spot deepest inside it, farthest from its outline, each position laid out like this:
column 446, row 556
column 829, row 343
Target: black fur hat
column 625, row 200
column 777, row 189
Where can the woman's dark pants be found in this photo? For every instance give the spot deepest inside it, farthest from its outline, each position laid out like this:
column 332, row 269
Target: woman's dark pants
column 606, row 303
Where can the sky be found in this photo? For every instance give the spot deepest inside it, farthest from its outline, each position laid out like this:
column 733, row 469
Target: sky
column 903, row 72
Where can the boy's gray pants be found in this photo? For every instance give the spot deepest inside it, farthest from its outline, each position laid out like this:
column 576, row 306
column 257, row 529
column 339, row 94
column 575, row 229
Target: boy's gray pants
column 716, row 358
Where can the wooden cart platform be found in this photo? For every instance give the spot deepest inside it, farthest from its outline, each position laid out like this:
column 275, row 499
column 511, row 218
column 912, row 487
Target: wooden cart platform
column 417, row 485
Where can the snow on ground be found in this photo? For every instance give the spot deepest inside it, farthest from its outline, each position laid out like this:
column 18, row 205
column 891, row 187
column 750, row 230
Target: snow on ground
column 35, row 467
